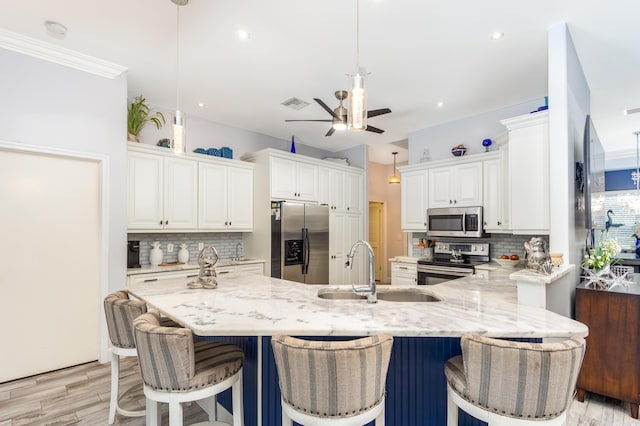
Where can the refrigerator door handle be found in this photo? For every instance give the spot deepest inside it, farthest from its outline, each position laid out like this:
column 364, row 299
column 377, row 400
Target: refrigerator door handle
column 307, row 247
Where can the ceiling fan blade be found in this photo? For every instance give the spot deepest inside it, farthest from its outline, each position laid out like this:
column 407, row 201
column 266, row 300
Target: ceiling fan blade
column 330, row 132
column 324, row 121
column 377, row 112
column 374, row 129
column 323, row 105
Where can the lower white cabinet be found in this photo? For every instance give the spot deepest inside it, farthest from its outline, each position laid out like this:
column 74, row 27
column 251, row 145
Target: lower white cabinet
column 188, row 274
column 345, row 229
column 404, row 273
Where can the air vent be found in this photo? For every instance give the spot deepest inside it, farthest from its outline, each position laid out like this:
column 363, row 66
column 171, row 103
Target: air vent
column 631, row 111
column 295, row 103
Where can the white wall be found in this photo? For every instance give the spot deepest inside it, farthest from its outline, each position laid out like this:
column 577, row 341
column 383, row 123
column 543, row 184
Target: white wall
column 569, row 103
column 470, row 131
column 202, row 133
column 51, row 105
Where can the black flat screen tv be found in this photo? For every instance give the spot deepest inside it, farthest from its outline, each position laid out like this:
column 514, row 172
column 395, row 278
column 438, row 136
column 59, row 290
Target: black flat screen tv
column 592, row 178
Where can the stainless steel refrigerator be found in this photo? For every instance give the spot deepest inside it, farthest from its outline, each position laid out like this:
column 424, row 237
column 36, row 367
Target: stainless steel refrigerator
column 300, row 242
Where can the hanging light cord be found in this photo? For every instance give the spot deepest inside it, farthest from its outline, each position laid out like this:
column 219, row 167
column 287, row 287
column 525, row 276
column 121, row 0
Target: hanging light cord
column 178, row 58
column 357, row 36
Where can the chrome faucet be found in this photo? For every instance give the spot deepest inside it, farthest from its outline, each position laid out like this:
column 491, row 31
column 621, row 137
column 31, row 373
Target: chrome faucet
column 369, row 290
column 238, row 246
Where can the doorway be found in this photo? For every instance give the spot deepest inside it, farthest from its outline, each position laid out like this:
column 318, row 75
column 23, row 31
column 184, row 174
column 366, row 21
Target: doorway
column 50, row 279
column 377, row 238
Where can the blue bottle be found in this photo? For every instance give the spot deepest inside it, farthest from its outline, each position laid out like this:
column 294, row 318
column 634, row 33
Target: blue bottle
column 293, row 145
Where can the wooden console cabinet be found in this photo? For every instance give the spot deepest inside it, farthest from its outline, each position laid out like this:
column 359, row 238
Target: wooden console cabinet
column 612, row 359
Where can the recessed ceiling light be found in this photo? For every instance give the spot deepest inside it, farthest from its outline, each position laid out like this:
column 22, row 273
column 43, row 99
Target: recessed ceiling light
column 55, row 29
column 440, row 104
column 243, row 35
column 497, row 35
column 201, row 104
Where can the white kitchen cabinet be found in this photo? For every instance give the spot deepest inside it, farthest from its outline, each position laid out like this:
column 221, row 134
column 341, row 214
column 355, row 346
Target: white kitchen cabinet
column 529, row 172
column 162, row 192
column 225, row 198
column 325, row 187
column 293, row 180
column 189, row 274
column 414, row 198
column 496, row 208
column 251, row 268
column 345, row 229
column 343, row 192
column 456, row 186
column 403, row 273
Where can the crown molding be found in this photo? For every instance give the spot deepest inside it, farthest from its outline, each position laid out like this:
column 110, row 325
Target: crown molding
column 60, row 55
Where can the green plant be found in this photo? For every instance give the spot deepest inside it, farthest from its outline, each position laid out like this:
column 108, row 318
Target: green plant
column 139, row 115
column 602, row 256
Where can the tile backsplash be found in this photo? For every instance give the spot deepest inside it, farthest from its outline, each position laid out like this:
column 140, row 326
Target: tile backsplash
column 499, row 244
column 225, row 244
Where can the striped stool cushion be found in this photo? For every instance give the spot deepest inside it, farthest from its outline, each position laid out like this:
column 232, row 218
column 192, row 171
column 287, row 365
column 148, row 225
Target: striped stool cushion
column 170, row 361
column 332, row 378
column 516, row 379
column 454, row 371
column 120, row 312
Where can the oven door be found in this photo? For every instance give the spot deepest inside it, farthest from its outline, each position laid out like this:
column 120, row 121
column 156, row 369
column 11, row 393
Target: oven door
column 433, row 274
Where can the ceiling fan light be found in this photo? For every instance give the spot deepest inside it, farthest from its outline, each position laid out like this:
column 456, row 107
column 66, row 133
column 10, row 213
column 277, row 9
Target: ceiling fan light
column 357, row 112
column 339, row 125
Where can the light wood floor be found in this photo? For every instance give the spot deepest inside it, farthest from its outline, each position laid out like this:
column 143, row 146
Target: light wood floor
column 80, row 396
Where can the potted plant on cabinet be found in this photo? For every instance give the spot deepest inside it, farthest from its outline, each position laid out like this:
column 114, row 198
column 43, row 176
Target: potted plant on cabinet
column 139, row 115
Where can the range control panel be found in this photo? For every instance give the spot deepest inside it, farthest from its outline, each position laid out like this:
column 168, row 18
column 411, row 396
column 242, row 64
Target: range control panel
column 463, row 248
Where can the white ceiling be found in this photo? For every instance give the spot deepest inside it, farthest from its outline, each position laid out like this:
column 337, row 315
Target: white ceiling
column 418, row 52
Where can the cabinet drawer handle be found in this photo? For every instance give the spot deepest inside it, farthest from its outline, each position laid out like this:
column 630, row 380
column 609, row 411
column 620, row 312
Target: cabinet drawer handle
column 223, row 272
column 150, row 279
column 402, row 267
column 191, row 276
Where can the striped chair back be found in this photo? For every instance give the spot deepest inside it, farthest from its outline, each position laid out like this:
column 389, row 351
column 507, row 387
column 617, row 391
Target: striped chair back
column 120, row 312
column 335, row 378
column 522, row 380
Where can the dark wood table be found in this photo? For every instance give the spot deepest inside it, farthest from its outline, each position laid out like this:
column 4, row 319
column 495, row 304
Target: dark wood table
column 611, row 365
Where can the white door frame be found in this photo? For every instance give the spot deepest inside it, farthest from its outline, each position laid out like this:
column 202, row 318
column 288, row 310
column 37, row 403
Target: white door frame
column 103, row 162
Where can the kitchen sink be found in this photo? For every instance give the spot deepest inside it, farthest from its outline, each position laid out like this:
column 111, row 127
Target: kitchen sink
column 325, row 293
column 399, row 295
column 408, row 295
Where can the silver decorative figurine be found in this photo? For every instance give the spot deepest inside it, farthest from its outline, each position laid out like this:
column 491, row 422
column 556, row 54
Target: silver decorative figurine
column 207, row 277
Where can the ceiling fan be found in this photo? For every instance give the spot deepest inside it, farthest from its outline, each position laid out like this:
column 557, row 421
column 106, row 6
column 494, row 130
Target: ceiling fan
column 339, row 114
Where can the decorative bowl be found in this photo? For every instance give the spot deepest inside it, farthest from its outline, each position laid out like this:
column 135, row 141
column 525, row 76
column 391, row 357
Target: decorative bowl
column 458, row 152
column 507, row 263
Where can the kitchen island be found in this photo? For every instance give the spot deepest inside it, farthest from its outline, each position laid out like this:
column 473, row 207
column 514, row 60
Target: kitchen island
column 247, row 309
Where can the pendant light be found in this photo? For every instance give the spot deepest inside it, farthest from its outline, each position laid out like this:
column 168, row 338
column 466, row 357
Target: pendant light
column 357, row 113
column 178, row 129
column 394, row 178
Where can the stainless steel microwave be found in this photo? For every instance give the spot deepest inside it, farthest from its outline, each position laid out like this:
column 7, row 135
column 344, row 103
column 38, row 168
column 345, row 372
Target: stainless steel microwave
column 455, row 222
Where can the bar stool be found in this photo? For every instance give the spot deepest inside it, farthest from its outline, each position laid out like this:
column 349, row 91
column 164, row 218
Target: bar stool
column 338, row 383
column 513, row 383
column 176, row 370
column 120, row 311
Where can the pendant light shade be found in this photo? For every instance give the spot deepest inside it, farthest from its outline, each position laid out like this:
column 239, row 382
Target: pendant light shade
column 178, row 128
column 357, row 114
column 395, row 178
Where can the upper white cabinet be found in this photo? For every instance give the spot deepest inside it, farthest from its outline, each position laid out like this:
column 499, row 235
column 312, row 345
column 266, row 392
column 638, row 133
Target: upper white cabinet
column 225, row 198
column 187, row 192
column 414, row 198
column 293, row 180
column 459, row 185
column 162, row 192
column 529, row 172
column 496, row 183
column 340, row 190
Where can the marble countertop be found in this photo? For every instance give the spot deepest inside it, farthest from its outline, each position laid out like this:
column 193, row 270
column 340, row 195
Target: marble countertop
column 404, row 259
column 250, row 305
column 531, row 276
column 187, row 266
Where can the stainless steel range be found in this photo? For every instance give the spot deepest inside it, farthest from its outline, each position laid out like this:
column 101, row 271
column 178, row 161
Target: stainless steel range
column 451, row 261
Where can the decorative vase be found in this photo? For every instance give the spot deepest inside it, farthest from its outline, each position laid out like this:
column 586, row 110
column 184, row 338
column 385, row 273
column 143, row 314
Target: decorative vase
column 155, row 255
column 293, row 145
column 183, row 254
